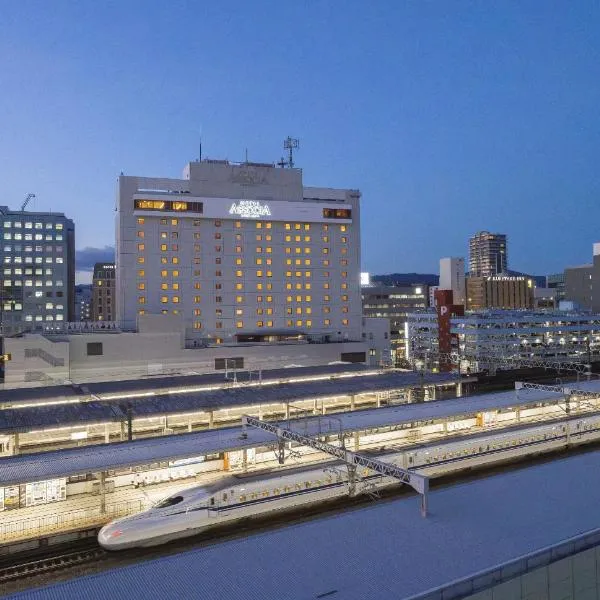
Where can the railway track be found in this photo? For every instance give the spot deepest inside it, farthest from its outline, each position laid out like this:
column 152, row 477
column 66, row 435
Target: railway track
column 52, row 563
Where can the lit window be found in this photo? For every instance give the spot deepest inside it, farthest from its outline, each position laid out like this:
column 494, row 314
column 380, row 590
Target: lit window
column 325, row 250
column 326, row 286
column 307, row 262
column 327, row 322
column 239, row 324
column 239, row 273
column 197, row 299
column 259, row 286
column 163, row 260
column 258, row 261
column 258, row 249
column 164, row 299
column 269, row 273
column 197, row 325
column 141, row 286
column 326, row 263
column 259, row 323
column 259, row 273
column 140, row 220
column 344, row 321
column 239, row 261
column 326, row 309
column 164, row 286
column 344, row 286
column 238, row 224
column 140, row 234
column 297, row 226
column 197, row 285
column 176, row 273
column 163, row 247
column 239, row 299
column 175, row 260
column 309, row 323
column 269, row 298
column 175, row 286
column 299, row 323
column 176, row 299
column 269, row 250
column 174, row 221
column 238, row 249
column 239, row 286
column 268, row 225
column 141, row 260
column 141, row 299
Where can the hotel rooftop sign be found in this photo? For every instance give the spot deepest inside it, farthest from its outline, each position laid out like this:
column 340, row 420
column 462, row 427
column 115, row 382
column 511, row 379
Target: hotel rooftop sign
column 250, row 209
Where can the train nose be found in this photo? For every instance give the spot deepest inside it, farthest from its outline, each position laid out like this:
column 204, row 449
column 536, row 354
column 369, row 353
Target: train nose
column 112, row 537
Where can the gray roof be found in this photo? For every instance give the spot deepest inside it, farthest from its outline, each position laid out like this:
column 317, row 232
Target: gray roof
column 384, row 551
column 62, row 463
column 154, row 383
column 28, row 418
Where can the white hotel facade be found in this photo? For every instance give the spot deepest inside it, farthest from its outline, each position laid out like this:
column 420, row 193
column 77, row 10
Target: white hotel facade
column 242, row 252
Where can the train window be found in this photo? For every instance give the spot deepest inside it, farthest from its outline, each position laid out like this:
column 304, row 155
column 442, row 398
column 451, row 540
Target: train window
column 169, row 502
column 276, row 491
column 225, row 497
column 265, row 494
column 307, row 484
column 298, row 486
column 242, row 498
column 212, row 501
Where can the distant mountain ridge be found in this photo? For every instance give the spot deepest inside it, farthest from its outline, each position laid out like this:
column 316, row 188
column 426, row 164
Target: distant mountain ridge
column 400, row 279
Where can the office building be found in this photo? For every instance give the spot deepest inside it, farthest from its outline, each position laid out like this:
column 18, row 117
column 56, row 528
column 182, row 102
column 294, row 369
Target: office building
column 582, row 281
column 556, row 282
column 452, row 277
column 83, row 302
column 501, row 291
column 394, row 303
column 243, row 252
column 103, row 292
column 38, row 259
column 487, row 254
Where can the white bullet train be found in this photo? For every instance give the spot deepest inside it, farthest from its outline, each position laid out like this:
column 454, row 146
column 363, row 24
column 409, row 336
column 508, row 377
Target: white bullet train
column 236, row 497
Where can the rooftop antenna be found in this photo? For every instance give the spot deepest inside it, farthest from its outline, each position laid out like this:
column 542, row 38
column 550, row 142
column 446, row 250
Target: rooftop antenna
column 200, row 150
column 290, row 144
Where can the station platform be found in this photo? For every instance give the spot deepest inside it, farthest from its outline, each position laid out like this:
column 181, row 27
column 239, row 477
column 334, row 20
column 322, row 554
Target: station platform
column 477, row 535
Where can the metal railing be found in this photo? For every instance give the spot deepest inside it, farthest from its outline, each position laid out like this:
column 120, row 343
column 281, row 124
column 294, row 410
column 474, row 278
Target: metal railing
column 64, row 521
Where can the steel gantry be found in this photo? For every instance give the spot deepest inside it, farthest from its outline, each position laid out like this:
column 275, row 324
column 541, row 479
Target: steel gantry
column 420, row 483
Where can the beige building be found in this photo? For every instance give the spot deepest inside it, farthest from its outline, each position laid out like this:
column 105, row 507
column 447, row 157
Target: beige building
column 103, row 292
column 243, row 252
column 500, row 291
column 87, row 352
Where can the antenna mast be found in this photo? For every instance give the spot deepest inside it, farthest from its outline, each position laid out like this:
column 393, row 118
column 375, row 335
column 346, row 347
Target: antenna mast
column 290, row 144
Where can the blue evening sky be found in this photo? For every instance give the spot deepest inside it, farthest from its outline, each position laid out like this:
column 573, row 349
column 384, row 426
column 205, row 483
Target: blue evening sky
column 450, row 117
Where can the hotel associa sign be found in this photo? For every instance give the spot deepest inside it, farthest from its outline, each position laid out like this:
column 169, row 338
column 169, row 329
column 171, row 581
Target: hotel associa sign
column 250, row 209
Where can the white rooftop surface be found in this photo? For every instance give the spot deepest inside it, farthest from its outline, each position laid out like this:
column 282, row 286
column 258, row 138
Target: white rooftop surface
column 86, row 459
column 385, row 551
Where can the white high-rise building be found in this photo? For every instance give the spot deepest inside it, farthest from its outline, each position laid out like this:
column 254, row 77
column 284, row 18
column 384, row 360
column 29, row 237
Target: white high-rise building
column 452, row 277
column 243, row 252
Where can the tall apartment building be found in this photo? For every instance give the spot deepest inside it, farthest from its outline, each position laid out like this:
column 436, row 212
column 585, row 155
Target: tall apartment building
column 38, row 259
column 243, row 252
column 487, row 254
column 103, row 292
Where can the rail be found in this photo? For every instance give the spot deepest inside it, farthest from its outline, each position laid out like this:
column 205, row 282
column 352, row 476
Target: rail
column 33, row 526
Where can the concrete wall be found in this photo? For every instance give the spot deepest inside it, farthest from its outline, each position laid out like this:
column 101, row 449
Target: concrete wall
column 573, row 578
column 578, row 285
column 132, row 355
column 376, row 334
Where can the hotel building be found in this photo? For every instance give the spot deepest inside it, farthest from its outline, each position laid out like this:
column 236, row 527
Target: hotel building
column 244, row 253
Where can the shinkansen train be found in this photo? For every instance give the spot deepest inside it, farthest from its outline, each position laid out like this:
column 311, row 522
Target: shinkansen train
column 198, row 508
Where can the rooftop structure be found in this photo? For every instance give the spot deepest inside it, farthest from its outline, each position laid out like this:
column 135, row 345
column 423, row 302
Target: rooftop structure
column 500, row 291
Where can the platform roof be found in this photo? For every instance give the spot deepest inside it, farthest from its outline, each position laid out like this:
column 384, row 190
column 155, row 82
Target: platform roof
column 163, row 383
column 72, row 461
column 36, row 417
column 384, row 551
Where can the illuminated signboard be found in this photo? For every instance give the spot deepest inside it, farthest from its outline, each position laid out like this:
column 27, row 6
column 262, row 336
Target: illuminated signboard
column 168, row 205
column 250, row 209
